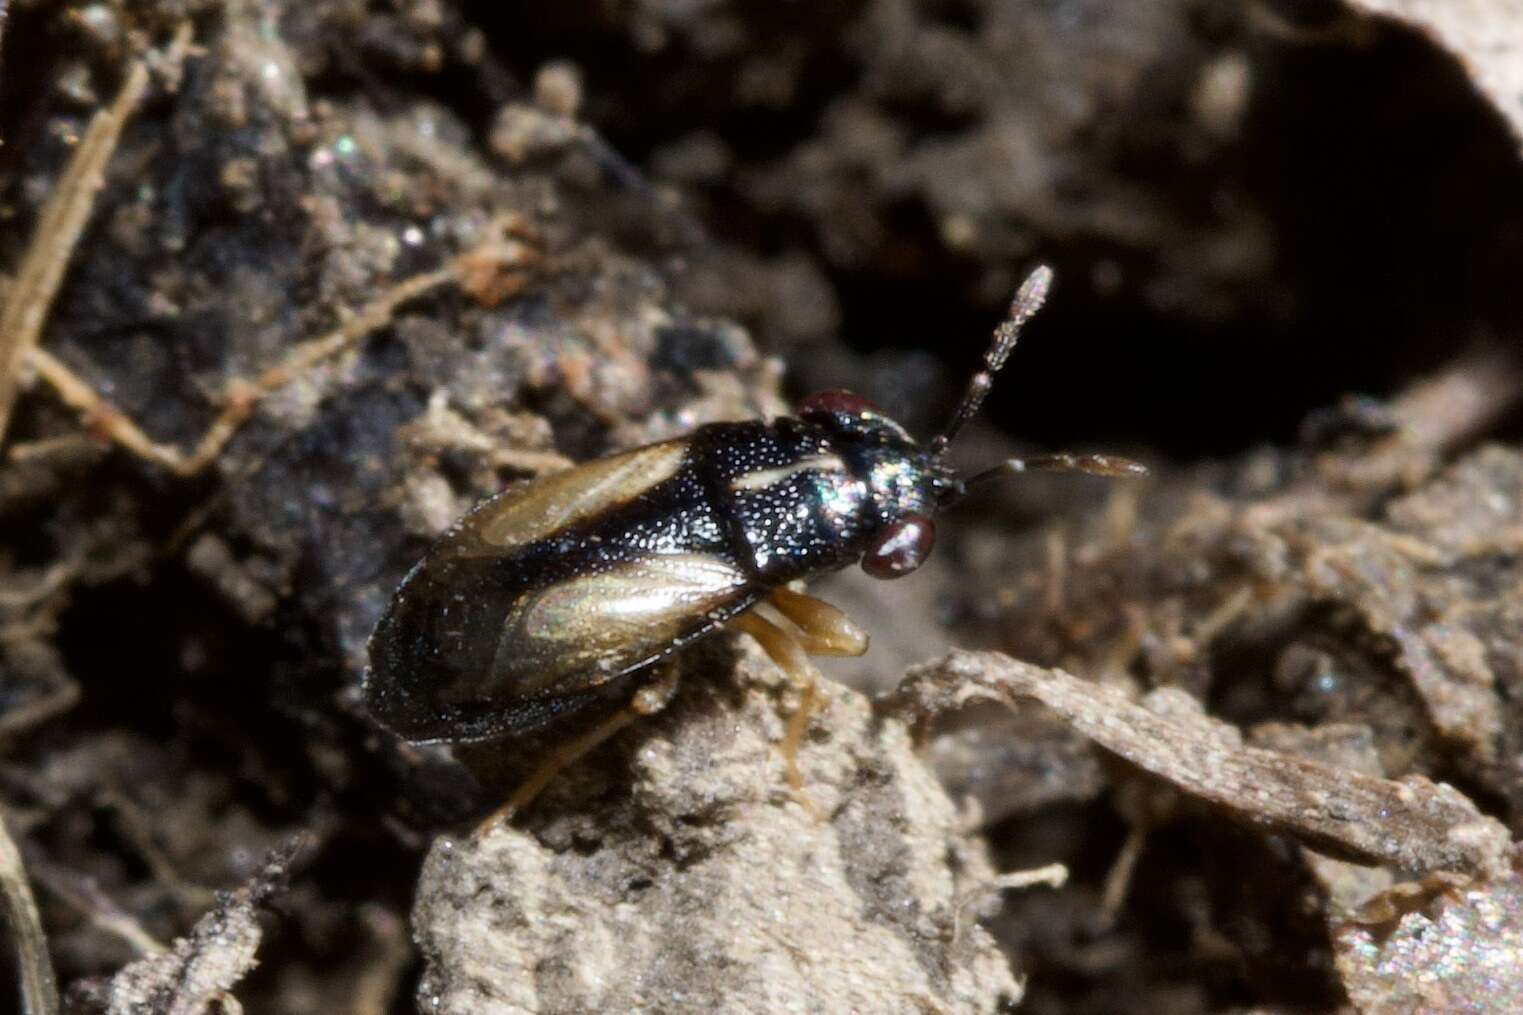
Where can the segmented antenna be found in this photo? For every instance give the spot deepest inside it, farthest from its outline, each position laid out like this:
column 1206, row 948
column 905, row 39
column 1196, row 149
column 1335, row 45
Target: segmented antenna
column 1113, row 466
column 1028, row 300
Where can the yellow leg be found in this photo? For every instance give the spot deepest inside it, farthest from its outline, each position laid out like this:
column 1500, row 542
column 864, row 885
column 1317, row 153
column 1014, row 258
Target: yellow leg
column 648, row 700
column 788, row 654
column 823, row 630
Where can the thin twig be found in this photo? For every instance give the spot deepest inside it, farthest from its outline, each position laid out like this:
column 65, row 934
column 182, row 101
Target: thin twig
column 1118, row 881
column 59, row 227
column 84, row 894
column 241, row 396
column 59, row 699
column 1053, row 875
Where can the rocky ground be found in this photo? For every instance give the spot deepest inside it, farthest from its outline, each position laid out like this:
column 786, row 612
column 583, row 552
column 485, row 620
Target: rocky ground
column 287, row 288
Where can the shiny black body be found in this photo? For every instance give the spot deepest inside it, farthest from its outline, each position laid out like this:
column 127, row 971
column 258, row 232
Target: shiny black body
column 494, row 636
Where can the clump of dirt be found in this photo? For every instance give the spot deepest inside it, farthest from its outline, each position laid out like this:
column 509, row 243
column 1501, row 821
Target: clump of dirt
column 680, row 874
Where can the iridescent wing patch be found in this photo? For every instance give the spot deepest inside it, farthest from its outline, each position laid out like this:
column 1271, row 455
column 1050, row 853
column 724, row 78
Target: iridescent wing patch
column 531, row 511
column 584, row 631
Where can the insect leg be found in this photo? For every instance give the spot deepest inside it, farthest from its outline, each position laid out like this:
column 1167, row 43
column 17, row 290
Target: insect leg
column 823, row 630
column 789, row 655
column 648, row 700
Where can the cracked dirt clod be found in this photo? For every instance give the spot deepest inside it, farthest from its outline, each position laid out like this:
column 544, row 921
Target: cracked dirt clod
column 671, row 872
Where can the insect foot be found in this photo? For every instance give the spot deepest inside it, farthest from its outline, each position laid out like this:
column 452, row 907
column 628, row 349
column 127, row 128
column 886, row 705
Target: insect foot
column 647, row 874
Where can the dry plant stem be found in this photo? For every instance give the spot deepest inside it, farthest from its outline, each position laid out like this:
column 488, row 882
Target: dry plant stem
column 39, row 991
column 1118, row 881
column 36, row 621
column 85, row 896
column 1411, row 824
column 469, row 270
column 242, row 396
column 1053, row 875
column 137, row 828
column 533, row 463
column 1055, row 561
column 56, row 702
column 54, row 577
column 1460, row 401
column 58, row 229
column 61, row 448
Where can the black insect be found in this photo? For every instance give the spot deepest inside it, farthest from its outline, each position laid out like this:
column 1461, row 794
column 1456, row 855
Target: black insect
column 558, row 590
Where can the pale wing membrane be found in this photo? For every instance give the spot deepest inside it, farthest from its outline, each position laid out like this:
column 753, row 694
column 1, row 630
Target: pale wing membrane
column 540, row 508
column 584, row 631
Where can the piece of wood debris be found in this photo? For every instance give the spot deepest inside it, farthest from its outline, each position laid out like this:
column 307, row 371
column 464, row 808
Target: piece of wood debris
column 1412, row 824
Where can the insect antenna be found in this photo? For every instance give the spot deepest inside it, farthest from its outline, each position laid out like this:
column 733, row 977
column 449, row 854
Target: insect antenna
column 1028, row 300
column 1094, row 465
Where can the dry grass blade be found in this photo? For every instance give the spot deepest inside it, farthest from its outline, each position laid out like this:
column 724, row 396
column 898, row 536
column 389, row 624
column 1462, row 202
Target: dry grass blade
column 39, row 991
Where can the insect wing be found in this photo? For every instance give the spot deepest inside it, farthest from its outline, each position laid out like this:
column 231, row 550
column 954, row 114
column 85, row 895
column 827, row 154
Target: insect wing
column 550, row 590
column 585, row 630
column 540, row 508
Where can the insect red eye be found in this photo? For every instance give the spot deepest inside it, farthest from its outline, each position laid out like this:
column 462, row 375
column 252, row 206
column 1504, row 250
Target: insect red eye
column 836, row 401
column 900, row 548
